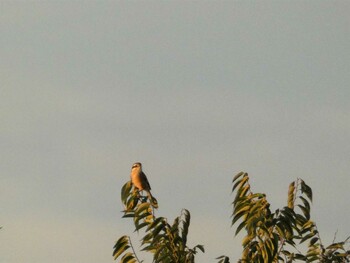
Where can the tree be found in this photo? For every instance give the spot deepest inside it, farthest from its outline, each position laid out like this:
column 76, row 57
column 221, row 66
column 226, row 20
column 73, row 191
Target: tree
column 274, row 237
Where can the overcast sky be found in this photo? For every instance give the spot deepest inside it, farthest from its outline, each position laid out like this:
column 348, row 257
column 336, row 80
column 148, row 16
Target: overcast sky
column 196, row 91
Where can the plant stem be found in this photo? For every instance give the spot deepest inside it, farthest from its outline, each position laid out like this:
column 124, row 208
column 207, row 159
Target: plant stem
column 133, row 250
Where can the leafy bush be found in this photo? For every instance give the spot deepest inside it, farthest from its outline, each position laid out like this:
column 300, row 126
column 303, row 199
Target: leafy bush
column 274, row 237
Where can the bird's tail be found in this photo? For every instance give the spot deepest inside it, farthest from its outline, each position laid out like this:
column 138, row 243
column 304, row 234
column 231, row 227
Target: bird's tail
column 152, row 199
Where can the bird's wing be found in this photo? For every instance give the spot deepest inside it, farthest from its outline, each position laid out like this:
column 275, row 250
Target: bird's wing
column 144, row 179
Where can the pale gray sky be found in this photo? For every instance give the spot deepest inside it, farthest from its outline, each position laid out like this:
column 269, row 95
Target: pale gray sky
column 196, row 91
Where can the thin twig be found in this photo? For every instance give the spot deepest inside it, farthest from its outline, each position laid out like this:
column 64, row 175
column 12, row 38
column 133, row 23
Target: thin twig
column 133, row 250
column 335, row 235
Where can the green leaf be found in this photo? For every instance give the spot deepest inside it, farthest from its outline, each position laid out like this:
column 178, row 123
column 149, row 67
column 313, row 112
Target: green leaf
column 121, row 246
column 286, row 228
column 280, row 229
column 237, row 176
column 288, row 216
column 258, row 207
column 305, row 211
column 300, row 257
column 243, row 191
column 141, row 208
column 154, row 202
column 128, row 258
column 140, row 226
column 142, row 212
column 157, row 221
column 239, row 214
column 308, row 226
column 185, row 225
column 200, row 247
column 157, row 229
column 126, row 191
column 131, row 203
column 128, row 214
column 223, row 259
column 300, row 220
column 306, row 189
column 291, row 195
column 239, row 228
column 238, row 206
column 336, row 246
column 307, row 237
column 305, row 202
column 246, row 240
column 313, row 241
column 241, row 182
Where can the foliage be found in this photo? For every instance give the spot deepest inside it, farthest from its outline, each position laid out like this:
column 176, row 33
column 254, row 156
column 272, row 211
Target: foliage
column 286, row 235
column 167, row 243
column 278, row 236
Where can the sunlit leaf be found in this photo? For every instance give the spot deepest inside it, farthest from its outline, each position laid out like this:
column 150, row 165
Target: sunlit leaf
column 291, row 195
column 141, row 208
column 131, row 203
column 336, row 246
column 237, row 176
column 121, row 246
column 242, row 202
column 240, row 213
column 240, row 183
column 243, row 190
column 157, row 221
column 154, row 202
column 307, row 226
column 128, row 258
column 246, row 240
column 126, row 191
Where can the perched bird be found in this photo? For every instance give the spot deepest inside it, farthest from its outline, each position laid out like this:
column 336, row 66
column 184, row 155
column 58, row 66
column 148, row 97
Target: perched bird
column 139, row 180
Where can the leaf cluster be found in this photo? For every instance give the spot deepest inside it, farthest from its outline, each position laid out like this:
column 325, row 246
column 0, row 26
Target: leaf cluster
column 167, row 242
column 286, row 235
column 277, row 236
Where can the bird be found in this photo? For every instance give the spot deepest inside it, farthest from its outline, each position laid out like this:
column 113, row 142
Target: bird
column 140, row 181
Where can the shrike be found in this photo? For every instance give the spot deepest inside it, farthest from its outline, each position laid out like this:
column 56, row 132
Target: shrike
column 139, row 180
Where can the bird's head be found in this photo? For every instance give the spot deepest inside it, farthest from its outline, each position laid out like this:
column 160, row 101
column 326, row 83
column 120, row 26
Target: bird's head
column 136, row 166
